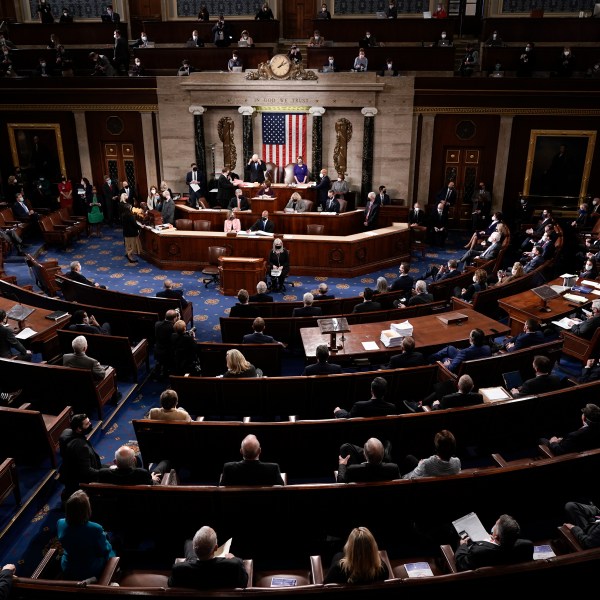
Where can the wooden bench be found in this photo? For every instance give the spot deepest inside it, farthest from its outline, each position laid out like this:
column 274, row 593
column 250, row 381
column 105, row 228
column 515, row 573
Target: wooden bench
column 56, row 235
column 7, row 220
column 53, row 387
column 30, row 435
column 9, row 481
column 579, row 348
column 44, row 274
column 112, row 350
column 95, row 296
column 212, row 356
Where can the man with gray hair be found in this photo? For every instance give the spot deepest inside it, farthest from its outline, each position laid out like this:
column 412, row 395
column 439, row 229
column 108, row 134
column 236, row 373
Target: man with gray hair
column 308, row 310
column 261, row 293
column 587, row 328
column 323, row 293
column 371, row 212
column 421, row 296
column 488, row 253
column 80, row 360
column 127, row 470
column 75, row 275
column 351, row 468
column 203, row 570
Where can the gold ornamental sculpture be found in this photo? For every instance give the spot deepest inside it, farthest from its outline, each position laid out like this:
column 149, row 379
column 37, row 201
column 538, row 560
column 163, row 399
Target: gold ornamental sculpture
column 343, row 134
column 225, row 128
column 280, row 67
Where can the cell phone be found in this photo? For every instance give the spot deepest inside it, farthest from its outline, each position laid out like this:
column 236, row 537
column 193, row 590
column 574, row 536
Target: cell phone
column 192, row 329
column 463, row 534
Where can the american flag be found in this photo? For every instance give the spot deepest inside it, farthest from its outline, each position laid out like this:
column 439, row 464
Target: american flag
column 284, row 137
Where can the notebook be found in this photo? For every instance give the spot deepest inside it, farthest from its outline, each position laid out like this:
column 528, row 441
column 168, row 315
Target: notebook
column 512, row 379
column 427, row 14
column 237, row 69
column 19, row 312
column 328, row 69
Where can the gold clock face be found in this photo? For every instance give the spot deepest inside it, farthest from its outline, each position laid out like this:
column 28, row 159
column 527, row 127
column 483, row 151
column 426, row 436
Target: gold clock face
column 280, row 65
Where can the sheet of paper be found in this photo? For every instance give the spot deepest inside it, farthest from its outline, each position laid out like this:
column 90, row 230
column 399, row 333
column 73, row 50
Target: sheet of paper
column 370, row 346
column 566, row 323
column 473, row 526
column 195, row 187
column 224, row 549
column 594, row 284
column 542, row 552
column 496, row 393
column 418, row 569
column 26, row 333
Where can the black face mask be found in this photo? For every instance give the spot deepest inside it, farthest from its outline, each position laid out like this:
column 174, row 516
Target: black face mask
column 264, row 218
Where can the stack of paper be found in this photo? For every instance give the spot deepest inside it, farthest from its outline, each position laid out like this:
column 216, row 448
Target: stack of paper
column 566, row 323
column 404, row 329
column 594, row 284
column 389, row 337
column 576, row 298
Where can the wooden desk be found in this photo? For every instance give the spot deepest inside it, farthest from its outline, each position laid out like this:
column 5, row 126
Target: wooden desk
column 429, row 334
column 238, row 272
column 68, row 33
column 565, row 29
column 526, row 305
column 45, row 340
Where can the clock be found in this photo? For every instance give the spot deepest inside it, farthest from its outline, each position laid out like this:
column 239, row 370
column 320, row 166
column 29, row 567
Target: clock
column 280, row 66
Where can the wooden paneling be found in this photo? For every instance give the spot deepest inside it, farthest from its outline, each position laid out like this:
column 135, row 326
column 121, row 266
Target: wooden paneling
column 173, row 32
column 565, row 29
column 80, row 33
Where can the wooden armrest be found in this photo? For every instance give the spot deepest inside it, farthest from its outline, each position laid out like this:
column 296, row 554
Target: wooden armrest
column 499, row 460
column 545, row 451
column 25, row 406
column 568, row 539
column 109, row 571
column 316, row 569
column 448, row 558
column 444, row 374
column 249, row 567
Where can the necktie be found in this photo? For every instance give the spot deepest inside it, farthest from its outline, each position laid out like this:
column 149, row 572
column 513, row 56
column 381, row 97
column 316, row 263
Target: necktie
column 239, row 204
column 447, row 193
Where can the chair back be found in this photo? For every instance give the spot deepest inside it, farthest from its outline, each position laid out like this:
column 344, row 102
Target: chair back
column 343, row 204
column 309, row 205
column 201, row 226
column 184, row 224
column 214, row 252
column 289, row 174
column 315, row 229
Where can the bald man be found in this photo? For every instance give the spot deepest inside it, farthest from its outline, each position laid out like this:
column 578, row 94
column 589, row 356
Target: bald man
column 251, row 470
column 126, row 471
column 256, row 169
column 374, row 469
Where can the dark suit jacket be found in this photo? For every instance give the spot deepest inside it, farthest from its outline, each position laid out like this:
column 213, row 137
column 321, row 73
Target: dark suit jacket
column 335, row 205
column 322, row 368
column 73, row 275
column 257, row 338
column 481, row 554
column 458, row 399
column 404, row 283
column 225, row 189
column 373, row 216
column 261, row 298
column 368, row 306
column 8, row 341
column 424, row 298
column 469, row 353
column 324, row 297
column 209, row 574
column 173, row 294
column 540, row 385
column 163, row 331
column 405, row 360
column 244, row 204
column 80, row 462
column 134, row 476
column 322, row 188
column 587, row 328
column 243, row 310
column 534, row 263
column 251, row 472
column 307, row 311
column 267, row 226
column 437, row 220
column 448, row 275
column 20, row 212
column 190, row 177
column 441, row 195
column 368, row 408
column 256, row 171
column 368, row 472
column 584, row 438
column 527, row 340
column 386, row 199
column 418, row 219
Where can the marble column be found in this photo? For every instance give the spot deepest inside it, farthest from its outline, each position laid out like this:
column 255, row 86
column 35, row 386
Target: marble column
column 369, row 113
column 199, row 141
column 427, row 128
column 317, row 113
column 247, row 135
column 501, row 167
column 82, row 143
column 149, row 145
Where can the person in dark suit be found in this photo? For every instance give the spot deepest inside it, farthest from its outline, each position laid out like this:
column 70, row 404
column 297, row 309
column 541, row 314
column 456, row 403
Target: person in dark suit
column 587, row 328
column 195, row 41
column 194, row 177
column 44, row 10
column 258, row 337
column 261, row 293
column 80, row 360
column 110, row 199
column 503, row 547
column 531, row 335
column 421, row 296
column 587, row 437
column 21, row 211
column 371, row 212
column 169, row 292
column 583, row 523
column 367, row 305
column 127, row 471
column 242, row 308
column 6, row 580
column 202, row 570
column 322, row 188
column 374, row 469
column 405, row 281
column 239, row 201
column 464, row 397
column 110, row 16
column 447, row 194
column 407, row 357
column 542, row 382
column 120, row 53
column 417, row 216
column 590, row 371
column 251, row 470
column 8, row 341
column 452, row 357
column 322, row 366
column 535, row 261
column 221, row 33
column 225, row 188
column 163, row 344
column 308, row 310
column 256, row 169
column 438, row 225
column 278, row 265
column 81, row 323
column 323, row 293
column 264, row 223
column 75, row 274
column 383, row 197
column 331, row 204
column 375, row 407
column 535, row 233
column 450, row 269
column 495, row 244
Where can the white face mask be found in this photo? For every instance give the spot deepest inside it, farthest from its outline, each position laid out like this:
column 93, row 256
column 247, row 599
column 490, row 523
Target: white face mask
column 368, row 35
column 43, row 64
column 195, row 37
column 144, row 38
column 443, row 36
column 494, row 36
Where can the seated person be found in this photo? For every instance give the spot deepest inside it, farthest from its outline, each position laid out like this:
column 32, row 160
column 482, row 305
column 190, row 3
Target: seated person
column 587, row 437
column 536, row 260
column 239, row 202
column 587, row 328
column 369, row 41
column 452, row 357
column 245, row 39
column 142, row 41
column 317, row 40
column 381, row 287
column 86, row 549
column 295, row 204
column 360, row 562
column 503, row 547
column 265, row 189
column 464, row 397
column 75, row 274
column 84, row 324
column 195, row 41
column 170, row 292
column 295, row 55
column 331, row 65
column 169, row 411
column 308, row 310
column 261, row 293
column 469, row 61
column 202, row 570
column 404, row 282
column 258, row 337
column 251, row 470
column 368, row 304
column 387, row 69
column 421, row 296
column 322, row 366
column 407, row 357
column 238, row 366
column 127, row 472
column 231, row 223
column 278, row 265
column 495, row 244
column 265, row 13
column 234, row 61
column 583, row 523
column 450, row 269
column 263, row 224
column 479, row 284
column 324, row 13
column 590, row 269
column 494, row 40
column 375, row 407
column 374, row 469
column 80, row 360
column 542, row 382
column 439, row 12
column 323, row 293
column 332, row 204
column 531, row 335
column 185, row 69
column 484, row 233
column 183, row 347
column 8, row 341
column 361, row 62
column 443, row 462
column 516, row 272
column 444, row 40
column 242, row 308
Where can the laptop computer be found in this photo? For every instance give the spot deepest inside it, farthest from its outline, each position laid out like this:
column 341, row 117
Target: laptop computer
column 243, row 43
column 328, row 69
column 237, row 69
column 427, row 14
column 512, row 379
column 381, row 14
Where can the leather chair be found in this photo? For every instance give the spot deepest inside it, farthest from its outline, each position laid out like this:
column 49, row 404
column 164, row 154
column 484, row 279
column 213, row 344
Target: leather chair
column 202, row 225
column 212, row 270
column 184, row 224
column 343, row 205
column 315, row 229
column 309, row 205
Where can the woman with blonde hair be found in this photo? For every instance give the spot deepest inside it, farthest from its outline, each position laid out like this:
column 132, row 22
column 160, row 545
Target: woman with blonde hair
column 360, row 561
column 382, row 285
column 238, row 366
column 232, row 223
column 516, row 272
column 295, row 204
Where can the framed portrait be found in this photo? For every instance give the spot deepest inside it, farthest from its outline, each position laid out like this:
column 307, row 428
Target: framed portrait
column 559, row 163
column 37, row 149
